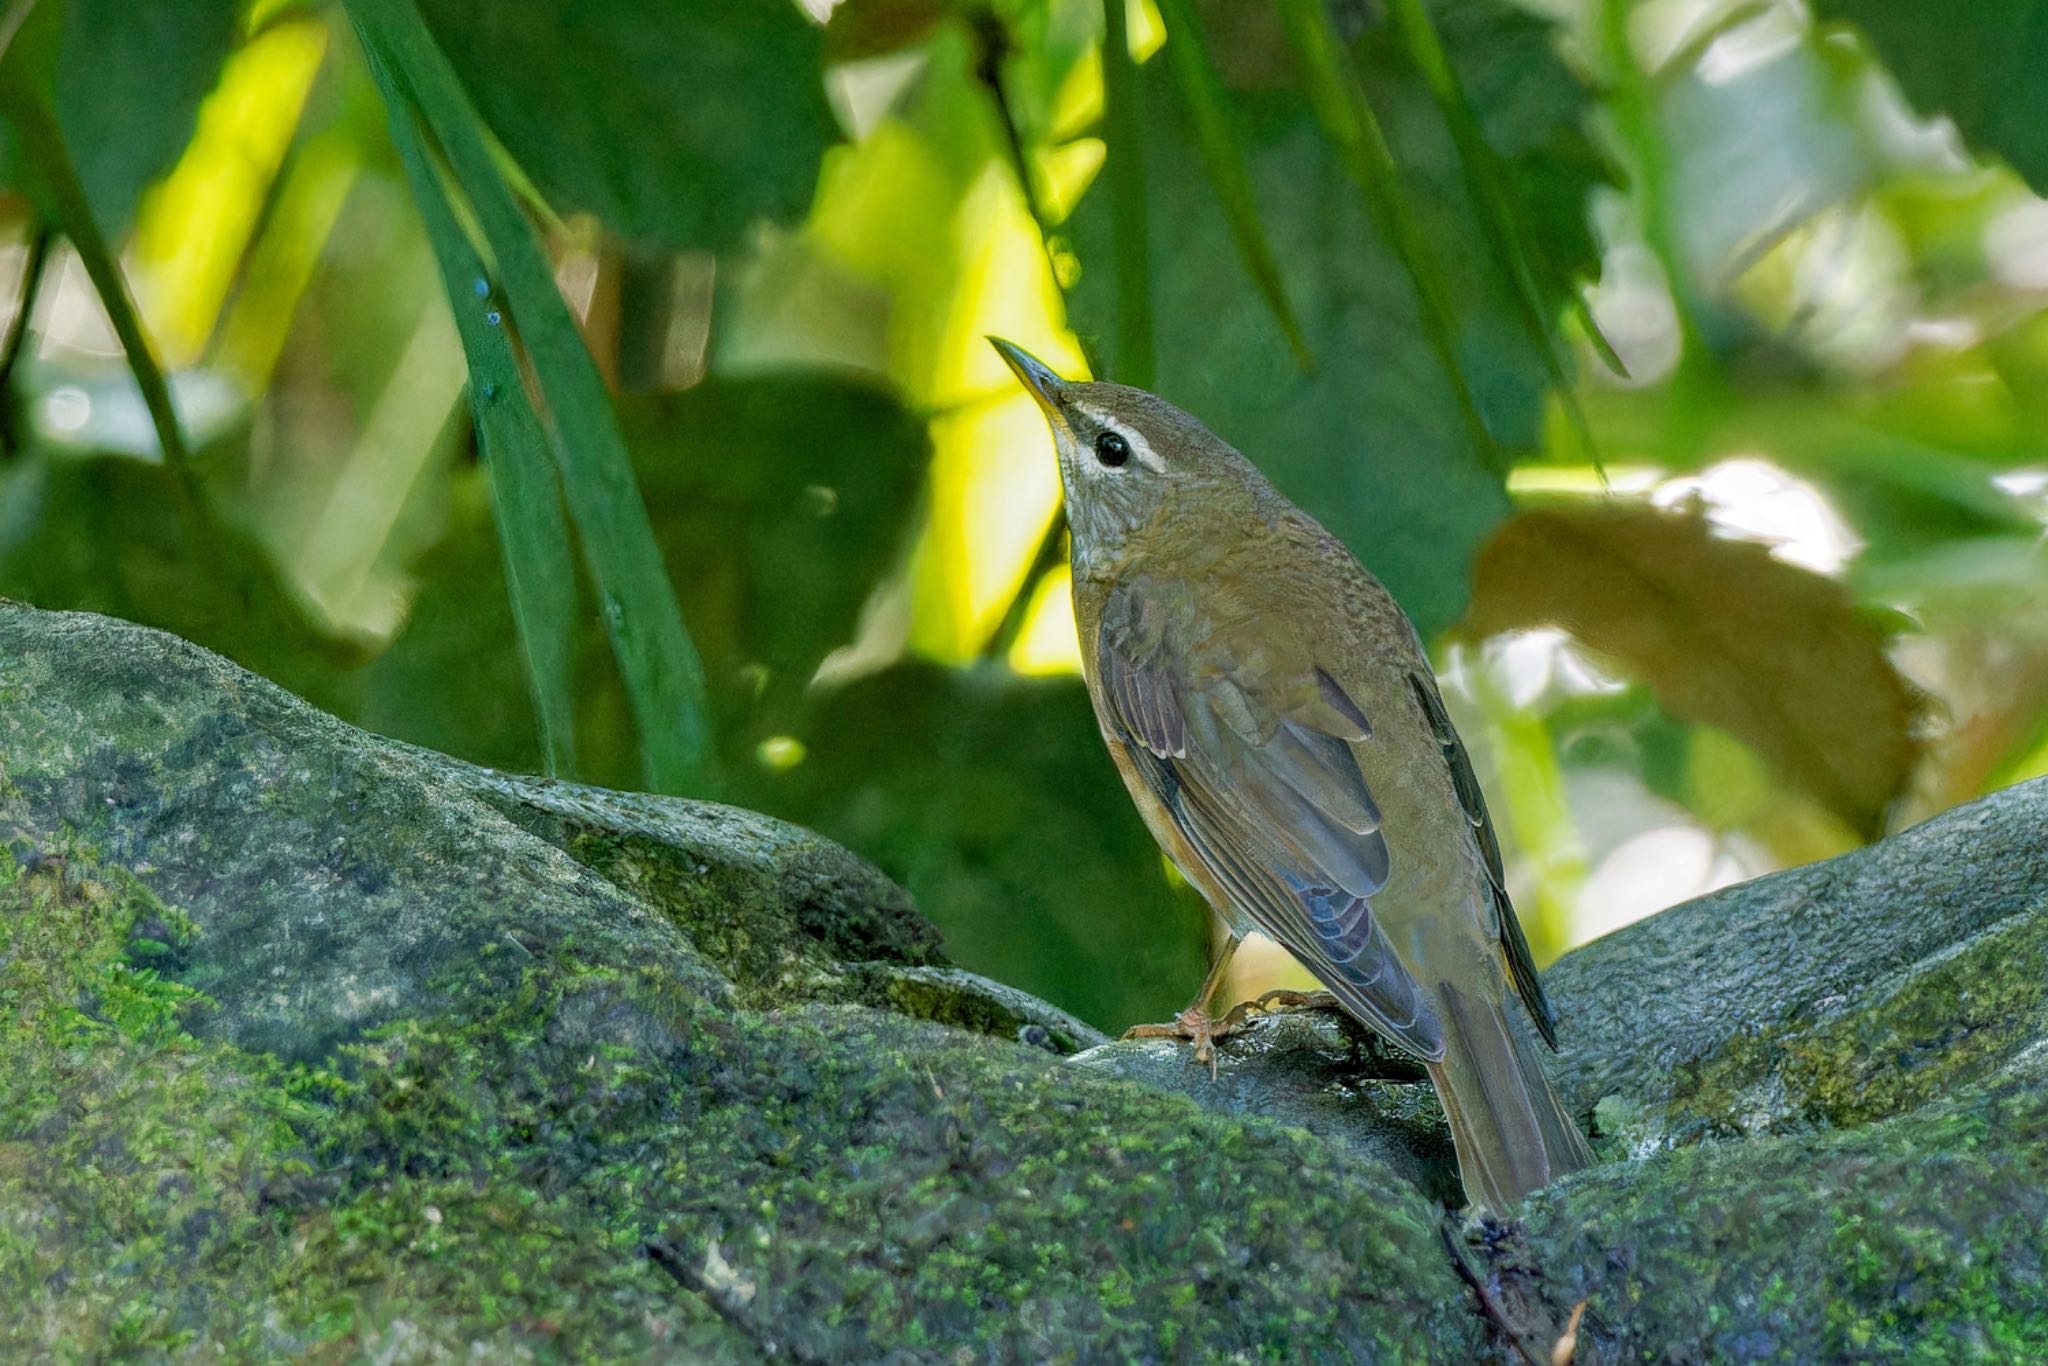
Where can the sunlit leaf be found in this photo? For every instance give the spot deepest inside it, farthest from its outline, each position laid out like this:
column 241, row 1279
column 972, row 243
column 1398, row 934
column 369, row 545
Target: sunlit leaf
column 1985, row 66
column 1726, row 633
column 675, row 123
column 129, row 81
column 194, row 230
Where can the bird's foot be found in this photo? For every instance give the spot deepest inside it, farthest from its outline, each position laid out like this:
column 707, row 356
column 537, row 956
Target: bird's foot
column 1197, row 1026
column 1194, row 1025
column 1273, row 1002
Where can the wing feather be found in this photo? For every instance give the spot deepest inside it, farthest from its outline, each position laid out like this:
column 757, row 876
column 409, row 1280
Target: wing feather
column 1285, row 824
column 1514, row 944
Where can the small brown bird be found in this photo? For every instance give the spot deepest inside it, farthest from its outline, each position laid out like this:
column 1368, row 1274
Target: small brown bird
column 1275, row 719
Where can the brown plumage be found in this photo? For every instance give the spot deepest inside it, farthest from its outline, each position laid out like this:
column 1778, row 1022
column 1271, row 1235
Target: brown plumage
column 1276, row 721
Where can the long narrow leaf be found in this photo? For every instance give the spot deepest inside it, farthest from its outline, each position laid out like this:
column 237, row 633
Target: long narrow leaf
column 34, row 268
column 1486, row 182
column 26, row 105
column 1334, row 93
column 1128, row 204
column 1207, row 103
column 1602, row 347
column 990, row 73
column 1630, row 103
column 659, row 664
column 526, row 498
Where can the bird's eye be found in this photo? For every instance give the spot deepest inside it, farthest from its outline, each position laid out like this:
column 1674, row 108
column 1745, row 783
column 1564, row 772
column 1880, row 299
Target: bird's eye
column 1111, row 449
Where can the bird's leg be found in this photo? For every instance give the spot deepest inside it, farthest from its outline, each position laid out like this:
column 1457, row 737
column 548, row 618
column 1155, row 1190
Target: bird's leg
column 1196, row 1024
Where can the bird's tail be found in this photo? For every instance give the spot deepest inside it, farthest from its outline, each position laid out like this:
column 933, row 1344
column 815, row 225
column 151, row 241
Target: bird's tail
column 1511, row 1134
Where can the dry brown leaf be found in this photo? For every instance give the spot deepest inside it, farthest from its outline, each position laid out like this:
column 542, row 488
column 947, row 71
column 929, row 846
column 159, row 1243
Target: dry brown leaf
column 1725, row 633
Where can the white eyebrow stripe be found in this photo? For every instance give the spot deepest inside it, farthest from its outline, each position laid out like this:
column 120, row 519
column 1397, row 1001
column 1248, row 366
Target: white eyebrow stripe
column 1142, row 452
column 1141, row 449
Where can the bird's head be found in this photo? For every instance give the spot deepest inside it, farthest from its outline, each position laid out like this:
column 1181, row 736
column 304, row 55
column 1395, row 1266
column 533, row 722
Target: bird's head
column 1129, row 460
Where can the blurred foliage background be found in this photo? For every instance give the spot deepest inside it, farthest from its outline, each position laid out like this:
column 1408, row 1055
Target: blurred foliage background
column 598, row 386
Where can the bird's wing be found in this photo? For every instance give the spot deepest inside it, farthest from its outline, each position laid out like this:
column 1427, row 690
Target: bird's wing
column 1514, row 945
column 1257, row 773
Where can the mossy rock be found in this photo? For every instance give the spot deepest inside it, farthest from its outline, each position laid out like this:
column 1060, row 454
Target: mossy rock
column 328, row 1046
column 321, row 1045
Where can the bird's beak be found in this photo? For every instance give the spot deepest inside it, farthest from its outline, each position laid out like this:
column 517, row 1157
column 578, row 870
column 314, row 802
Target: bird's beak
column 1044, row 385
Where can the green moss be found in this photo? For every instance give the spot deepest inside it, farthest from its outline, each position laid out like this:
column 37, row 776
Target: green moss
column 778, row 910
column 358, row 1052
column 171, row 1193
column 950, row 996
column 1915, row 1239
column 495, row 1172
column 1943, row 1025
column 729, row 917
column 989, row 1193
column 134, row 1147
column 1949, row 1023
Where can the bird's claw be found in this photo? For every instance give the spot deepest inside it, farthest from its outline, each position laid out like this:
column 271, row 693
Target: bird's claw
column 1273, row 1002
column 1193, row 1025
column 1197, row 1026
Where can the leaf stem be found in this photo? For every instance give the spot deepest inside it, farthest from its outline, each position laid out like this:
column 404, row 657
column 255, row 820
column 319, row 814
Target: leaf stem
column 1208, row 106
column 37, row 257
column 1125, row 166
column 1338, row 99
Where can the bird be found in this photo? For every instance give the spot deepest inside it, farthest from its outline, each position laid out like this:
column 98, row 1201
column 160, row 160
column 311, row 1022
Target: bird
column 1275, row 719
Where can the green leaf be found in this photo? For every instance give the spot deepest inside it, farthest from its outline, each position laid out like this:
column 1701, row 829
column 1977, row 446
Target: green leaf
column 53, row 184
column 675, row 123
column 533, row 537
column 1208, row 106
column 539, row 564
column 1724, row 632
column 778, row 503
column 1501, row 214
column 1901, row 496
column 106, row 533
column 1338, row 98
column 1125, row 171
column 992, row 800
column 1374, row 444
column 129, row 80
column 657, row 660
column 1984, row 65
column 781, row 501
column 1532, row 115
